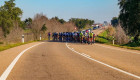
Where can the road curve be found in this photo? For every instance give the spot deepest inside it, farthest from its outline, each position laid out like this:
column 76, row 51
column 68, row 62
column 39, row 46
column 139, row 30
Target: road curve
column 54, row 61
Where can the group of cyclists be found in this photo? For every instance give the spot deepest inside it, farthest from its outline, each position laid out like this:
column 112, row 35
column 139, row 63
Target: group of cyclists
column 82, row 37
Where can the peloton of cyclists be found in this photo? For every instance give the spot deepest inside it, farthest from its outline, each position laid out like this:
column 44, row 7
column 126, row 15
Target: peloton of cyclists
column 82, row 37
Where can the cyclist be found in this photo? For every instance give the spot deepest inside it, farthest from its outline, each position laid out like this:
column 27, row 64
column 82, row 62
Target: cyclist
column 90, row 37
column 49, row 34
column 81, row 37
column 93, row 38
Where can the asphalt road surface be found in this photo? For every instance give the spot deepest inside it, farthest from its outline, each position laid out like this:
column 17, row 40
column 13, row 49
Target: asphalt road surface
column 54, row 61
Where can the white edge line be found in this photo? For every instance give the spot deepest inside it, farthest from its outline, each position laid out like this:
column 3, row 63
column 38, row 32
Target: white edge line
column 85, row 55
column 117, row 49
column 10, row 67
column 130, row 74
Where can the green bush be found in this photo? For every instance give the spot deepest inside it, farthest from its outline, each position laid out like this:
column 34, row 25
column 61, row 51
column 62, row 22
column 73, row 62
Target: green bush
column 1, row 42
column 103, row 34
column 101, row 40
column 133, row 44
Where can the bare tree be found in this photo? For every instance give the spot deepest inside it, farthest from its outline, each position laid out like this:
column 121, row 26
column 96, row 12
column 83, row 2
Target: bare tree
column 69, row 27
column 120, row 36
column 37, row 24
column 52, row 26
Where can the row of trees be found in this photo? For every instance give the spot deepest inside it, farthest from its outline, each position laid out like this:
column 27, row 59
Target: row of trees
column 81, row 23
column 62, row 21
column 10, row 20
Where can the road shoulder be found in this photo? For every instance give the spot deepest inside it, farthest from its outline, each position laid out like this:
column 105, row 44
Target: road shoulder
column 7, row 56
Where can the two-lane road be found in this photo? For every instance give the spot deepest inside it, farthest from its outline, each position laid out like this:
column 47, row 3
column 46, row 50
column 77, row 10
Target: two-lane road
column 54, row 61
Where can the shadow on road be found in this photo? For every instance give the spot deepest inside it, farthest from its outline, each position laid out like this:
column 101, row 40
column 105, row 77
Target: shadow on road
column 51, row 41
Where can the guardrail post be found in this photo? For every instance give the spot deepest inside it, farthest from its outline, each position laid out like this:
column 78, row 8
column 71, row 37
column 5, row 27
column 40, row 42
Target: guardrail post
column 22, row 38
column 40, row 36
column 113, row 41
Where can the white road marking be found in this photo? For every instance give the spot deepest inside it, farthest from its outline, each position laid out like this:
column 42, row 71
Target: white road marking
column 10, row 67
column 72, row 48
column 130, row 74
column 118, row 49
column 85, row 55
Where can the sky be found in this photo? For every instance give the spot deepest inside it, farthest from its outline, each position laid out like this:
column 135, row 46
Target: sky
column 97, row 10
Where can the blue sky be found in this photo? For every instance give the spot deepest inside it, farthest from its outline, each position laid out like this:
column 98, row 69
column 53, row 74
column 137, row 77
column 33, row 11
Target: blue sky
column 98, row 10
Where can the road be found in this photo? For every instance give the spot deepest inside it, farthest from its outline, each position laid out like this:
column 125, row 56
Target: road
column 58, row 61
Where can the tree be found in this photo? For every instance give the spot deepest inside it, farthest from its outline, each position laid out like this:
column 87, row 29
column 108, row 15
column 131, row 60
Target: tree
column 130, row 17
column 36, row 25
column 28, row 22
column 56, row 18
column 44, row 28
column 81, row 23
column 91, row 22
column 114, row 21
column 62, row 21
column 22, row 24
column 9, row 16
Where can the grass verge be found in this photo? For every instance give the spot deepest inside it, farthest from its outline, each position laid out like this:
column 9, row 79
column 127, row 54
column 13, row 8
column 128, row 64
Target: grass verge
column 102, row 38
column 2, row 48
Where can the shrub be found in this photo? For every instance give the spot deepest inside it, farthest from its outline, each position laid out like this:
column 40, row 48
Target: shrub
column 1, row 42
column 110, row 32
column 120, row 36
column 101, row 40
column 14, row 36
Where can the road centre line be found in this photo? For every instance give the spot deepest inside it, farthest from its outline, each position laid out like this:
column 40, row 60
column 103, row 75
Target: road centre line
column 10, row 67
column 130, row 74
column 118, row 49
